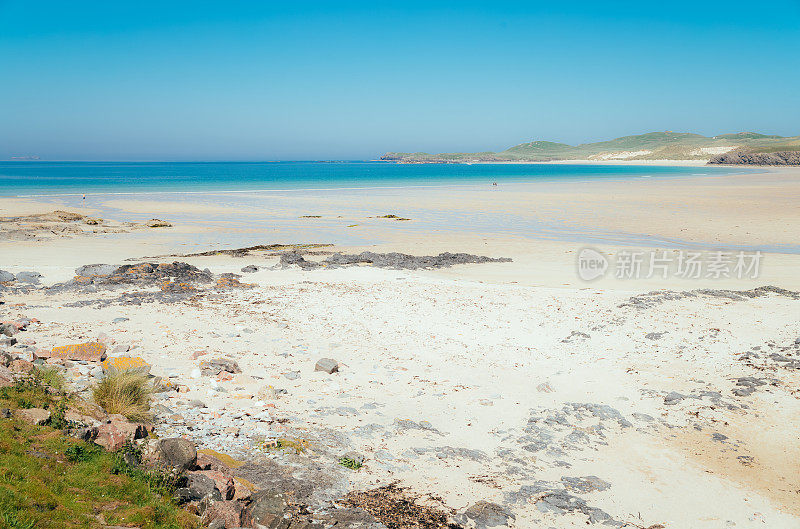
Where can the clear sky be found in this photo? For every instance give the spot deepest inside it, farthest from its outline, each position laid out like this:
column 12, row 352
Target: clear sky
column 260, row 80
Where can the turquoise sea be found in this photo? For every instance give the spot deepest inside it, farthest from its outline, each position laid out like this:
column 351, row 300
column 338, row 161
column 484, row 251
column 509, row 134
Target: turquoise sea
column 64, row 178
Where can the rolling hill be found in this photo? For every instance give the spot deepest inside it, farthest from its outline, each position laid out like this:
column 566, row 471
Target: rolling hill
column 651, row 146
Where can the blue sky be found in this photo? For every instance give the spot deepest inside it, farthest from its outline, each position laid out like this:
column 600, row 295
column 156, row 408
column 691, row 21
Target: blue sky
column 260, row 80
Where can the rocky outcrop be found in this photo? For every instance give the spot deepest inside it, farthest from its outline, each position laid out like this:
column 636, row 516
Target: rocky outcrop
column 393, row 260
column 756, row 158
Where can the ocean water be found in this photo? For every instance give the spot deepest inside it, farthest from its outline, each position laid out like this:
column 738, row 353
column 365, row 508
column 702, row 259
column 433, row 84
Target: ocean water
column 65, row 178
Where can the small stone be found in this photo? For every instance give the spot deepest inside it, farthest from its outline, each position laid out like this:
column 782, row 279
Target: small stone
column 120, row 320
column 673, row 397
column 292, row 375
column 327, row 365
column 249, row 269
column 194, row 403
column 545, row 387
column 157, row 223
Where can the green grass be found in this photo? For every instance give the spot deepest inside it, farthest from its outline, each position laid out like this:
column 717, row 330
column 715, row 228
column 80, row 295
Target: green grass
column 48, row 480
column 126, row 393
column 352, row 464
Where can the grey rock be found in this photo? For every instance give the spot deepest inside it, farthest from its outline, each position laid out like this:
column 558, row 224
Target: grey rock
column 6, row 276
column 327, row 365
column 485, row 515
column 31, row 278
column 197, row 488
column 654, row 335
column 96, row 270
column 584, row 484
column 195, row 403
column 292, row 375
column 120, row 320
column 249, row 269
column 267, row 508
column 215, row 366
column 177, row 453
column 393, row 260
column 673, row 397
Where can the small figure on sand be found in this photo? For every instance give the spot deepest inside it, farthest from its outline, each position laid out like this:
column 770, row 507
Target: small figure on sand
column 84, row 197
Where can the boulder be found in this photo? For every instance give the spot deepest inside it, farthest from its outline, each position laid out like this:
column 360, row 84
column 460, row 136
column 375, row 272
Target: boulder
column 6, row 377
column 223, row 514
column 225, row 484
column 267, row 508
column 31, row 278
column 96, row 270
column 114, row 434
column 7, row 329
column 249, row 269
column 89, row 352
column 328, row 365
column 177, row 453
column 21, row 366
column 6, row 276
column 5, row 359
column 198, row 487
column 126, row 363
column 33, row 416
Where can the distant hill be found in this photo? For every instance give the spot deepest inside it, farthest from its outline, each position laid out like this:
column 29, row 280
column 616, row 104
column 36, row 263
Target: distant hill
column 651, row 146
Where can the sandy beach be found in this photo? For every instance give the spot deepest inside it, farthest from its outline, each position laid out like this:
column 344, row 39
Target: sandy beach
column 650, row 401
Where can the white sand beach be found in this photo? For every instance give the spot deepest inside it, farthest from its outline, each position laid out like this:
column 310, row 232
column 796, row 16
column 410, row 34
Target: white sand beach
column 651, row 402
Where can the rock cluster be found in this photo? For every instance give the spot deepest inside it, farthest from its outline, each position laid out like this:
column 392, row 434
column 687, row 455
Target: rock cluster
column 742, row 157
column 393, row 260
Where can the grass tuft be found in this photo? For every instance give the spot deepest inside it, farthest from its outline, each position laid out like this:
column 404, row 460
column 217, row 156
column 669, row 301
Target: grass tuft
column 125, row 393
column 352, row 464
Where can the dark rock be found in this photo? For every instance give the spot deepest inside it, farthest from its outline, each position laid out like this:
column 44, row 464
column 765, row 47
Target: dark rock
column 743, row 157
column 197, row 488
column 7, row 329
column 249, row 269
column 267, row 508
column 177, row 453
